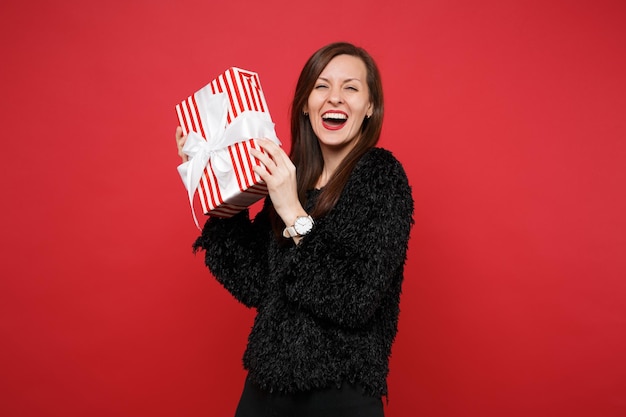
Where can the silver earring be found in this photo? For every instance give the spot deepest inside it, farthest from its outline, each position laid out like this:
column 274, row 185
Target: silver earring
column 305, row 113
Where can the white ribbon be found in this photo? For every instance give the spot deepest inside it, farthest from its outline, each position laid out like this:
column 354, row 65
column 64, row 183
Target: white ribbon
column 247, row 125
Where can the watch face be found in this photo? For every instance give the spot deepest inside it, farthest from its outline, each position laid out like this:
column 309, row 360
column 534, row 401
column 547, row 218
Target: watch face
column 303, row 225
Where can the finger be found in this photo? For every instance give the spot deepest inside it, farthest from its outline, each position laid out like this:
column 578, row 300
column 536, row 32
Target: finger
column 262, row 172
column 180, row 139
column 264, row 159
column 275, row 152
column 269, row 146
column 180, row 143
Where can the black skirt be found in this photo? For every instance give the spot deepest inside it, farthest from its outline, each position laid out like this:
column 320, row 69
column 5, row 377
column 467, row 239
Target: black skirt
column 347, row 401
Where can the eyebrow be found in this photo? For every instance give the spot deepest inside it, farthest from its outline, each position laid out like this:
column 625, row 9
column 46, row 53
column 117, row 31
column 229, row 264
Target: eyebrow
column 344, row 81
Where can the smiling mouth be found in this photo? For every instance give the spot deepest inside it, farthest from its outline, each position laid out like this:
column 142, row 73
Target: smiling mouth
column 334, row 120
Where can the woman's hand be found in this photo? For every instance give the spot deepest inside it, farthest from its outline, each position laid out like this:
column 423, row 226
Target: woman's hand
column 279, row 173
column 180, row 142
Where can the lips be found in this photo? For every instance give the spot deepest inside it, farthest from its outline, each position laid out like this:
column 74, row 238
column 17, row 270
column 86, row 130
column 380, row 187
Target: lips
column 334, row 119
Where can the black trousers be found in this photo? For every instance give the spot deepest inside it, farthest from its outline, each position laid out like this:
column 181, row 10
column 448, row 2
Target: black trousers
column 347, row 401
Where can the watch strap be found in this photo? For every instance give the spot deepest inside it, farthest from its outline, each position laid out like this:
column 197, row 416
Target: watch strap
column 290, row 232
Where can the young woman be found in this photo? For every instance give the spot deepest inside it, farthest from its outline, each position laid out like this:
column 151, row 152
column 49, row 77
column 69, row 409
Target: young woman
column 323, row 261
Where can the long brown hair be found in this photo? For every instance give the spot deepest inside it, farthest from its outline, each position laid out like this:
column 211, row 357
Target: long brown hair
column 305, row 150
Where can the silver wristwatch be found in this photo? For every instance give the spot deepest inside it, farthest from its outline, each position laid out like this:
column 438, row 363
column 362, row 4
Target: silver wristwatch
column 302, row 226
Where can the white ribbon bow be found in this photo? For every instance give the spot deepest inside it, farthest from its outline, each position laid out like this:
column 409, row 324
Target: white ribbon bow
column 248, row 125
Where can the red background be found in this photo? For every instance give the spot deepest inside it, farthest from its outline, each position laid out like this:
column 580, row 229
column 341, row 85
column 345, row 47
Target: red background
column 509, row 117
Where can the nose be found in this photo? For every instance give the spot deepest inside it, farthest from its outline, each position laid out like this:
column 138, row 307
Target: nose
column 335, row 95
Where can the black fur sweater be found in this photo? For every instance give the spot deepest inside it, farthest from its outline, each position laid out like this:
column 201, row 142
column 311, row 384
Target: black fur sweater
column 327, row 308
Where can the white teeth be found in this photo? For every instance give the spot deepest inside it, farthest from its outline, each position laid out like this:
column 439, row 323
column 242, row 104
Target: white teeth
column 336, row 116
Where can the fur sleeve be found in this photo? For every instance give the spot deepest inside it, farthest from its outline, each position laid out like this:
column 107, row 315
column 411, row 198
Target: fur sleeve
column 353, row 260
column 236, row 254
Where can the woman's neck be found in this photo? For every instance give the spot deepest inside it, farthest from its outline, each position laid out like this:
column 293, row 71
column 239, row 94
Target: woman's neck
column 332, row 159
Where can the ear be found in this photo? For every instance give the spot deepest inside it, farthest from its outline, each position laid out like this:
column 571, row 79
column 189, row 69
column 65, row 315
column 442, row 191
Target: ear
column 305, row 109
column 370, row 110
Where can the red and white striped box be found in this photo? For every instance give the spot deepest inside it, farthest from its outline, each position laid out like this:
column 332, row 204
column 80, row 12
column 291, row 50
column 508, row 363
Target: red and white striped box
column 242, row 187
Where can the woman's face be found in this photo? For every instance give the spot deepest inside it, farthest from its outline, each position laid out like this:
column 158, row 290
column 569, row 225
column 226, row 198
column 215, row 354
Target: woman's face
column 339, row 103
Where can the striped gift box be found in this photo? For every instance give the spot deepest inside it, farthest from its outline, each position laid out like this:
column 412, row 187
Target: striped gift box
column 244, row 94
